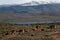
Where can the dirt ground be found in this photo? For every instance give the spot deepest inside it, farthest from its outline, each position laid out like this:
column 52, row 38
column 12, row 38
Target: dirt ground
column 29, row 31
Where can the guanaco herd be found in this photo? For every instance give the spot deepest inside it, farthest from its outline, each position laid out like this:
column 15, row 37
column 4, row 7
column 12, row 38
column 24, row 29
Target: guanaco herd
column 25, row 30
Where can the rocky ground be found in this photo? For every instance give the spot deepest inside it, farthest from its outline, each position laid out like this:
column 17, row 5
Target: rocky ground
column 29, row 31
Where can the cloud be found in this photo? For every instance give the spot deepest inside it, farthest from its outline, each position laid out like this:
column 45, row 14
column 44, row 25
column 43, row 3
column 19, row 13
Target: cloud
column 22, row 1
column 13, row 1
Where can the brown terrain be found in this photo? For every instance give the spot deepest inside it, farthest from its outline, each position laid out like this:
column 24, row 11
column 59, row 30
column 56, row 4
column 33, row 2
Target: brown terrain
column 32, row 17
column 29, row 31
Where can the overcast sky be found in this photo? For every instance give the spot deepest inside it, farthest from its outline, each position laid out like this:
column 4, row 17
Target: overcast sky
column 22, row 1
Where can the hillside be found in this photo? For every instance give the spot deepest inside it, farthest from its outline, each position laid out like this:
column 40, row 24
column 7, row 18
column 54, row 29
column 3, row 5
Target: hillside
column 37, row 13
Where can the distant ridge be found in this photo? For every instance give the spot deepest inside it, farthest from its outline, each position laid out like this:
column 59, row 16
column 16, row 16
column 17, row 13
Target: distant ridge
column 31, row 9
column 34, row 13
column 32, row 3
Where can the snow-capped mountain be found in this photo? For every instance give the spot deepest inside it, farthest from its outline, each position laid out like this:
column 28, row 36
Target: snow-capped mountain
column 34, row 3
column 37, row 3
column 30, row 11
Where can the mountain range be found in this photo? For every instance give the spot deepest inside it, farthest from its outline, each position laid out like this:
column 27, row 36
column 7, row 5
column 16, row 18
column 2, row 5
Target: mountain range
column 32, row 11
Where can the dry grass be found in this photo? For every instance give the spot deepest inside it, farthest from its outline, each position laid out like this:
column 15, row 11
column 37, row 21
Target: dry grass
column 29, row 32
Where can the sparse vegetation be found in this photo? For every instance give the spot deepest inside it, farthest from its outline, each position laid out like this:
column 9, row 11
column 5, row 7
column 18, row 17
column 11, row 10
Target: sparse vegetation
column 29, row 32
